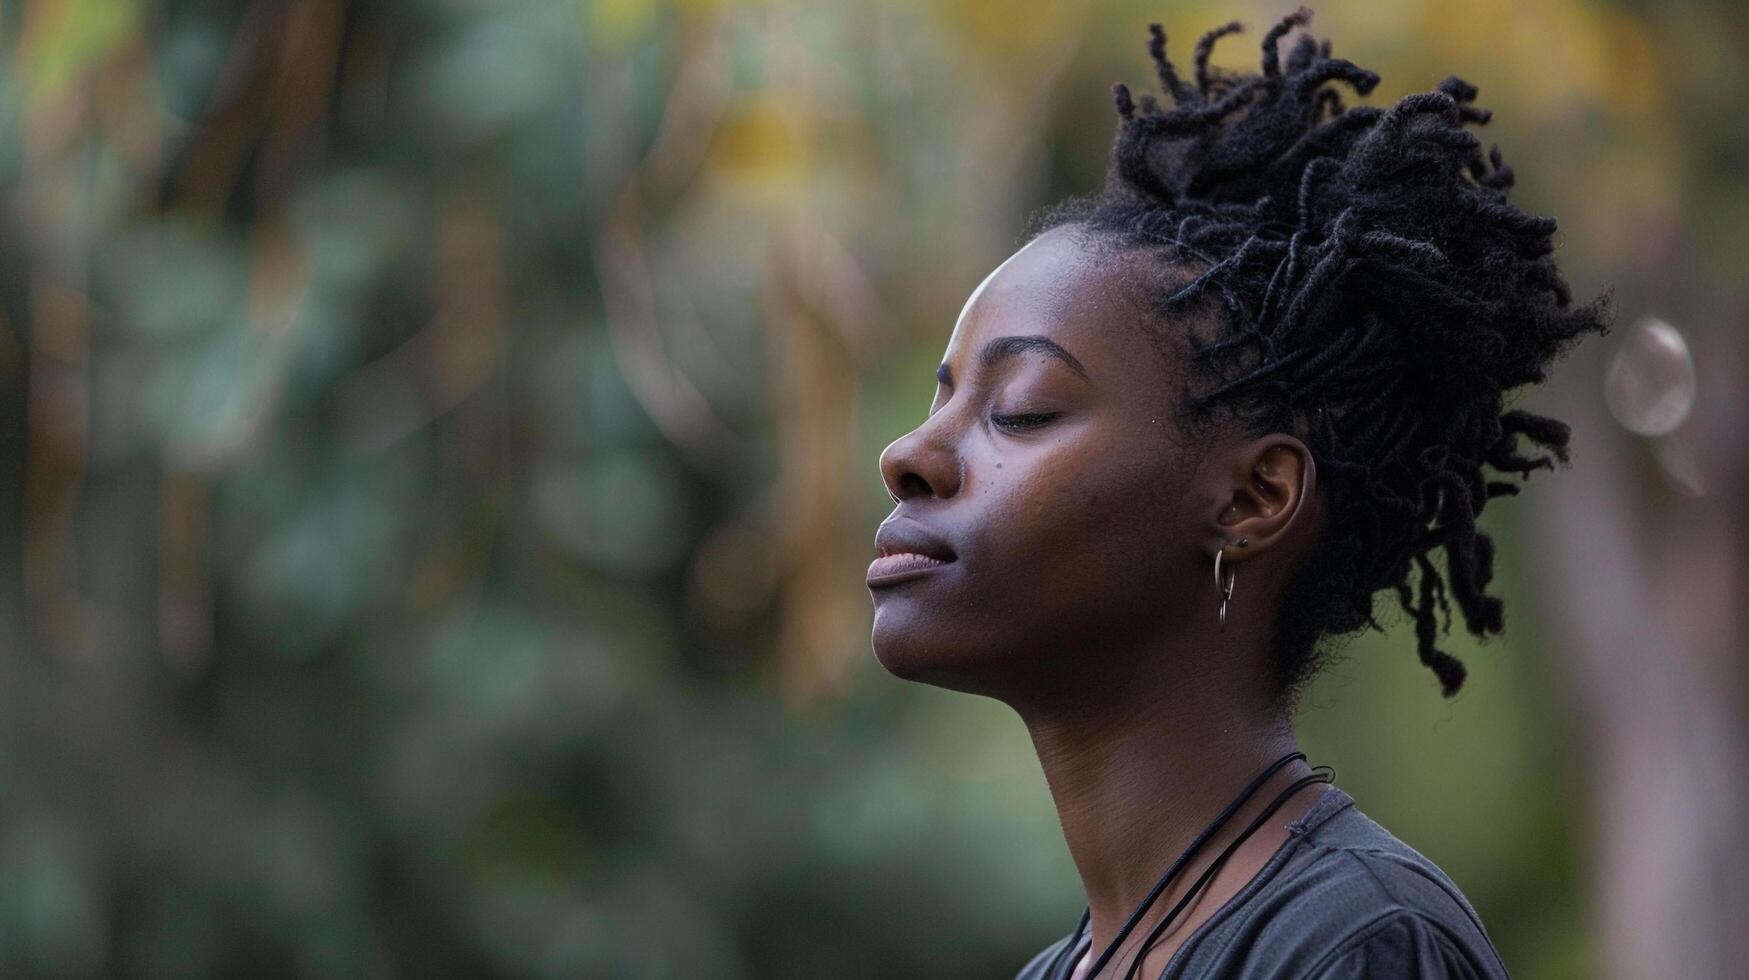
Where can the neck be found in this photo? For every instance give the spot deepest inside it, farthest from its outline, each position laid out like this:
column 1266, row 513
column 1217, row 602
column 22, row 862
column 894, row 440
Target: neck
column 1136, row 779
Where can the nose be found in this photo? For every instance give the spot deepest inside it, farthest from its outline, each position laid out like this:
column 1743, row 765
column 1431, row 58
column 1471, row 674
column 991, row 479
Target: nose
column 921, row 463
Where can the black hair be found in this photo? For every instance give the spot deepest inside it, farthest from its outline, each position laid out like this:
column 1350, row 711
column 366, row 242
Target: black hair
column 1376, row 296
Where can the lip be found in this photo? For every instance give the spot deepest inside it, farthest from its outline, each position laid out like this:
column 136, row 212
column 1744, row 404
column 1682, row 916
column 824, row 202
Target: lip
column 901, row 534
column 906, row 549
column 901, row 566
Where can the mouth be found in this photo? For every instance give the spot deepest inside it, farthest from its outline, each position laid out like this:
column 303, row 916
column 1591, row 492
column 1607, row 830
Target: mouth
column 907, row 549
column 901, row 566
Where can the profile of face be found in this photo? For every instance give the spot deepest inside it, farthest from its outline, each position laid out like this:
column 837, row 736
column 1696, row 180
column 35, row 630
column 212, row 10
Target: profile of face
column 1053, row 523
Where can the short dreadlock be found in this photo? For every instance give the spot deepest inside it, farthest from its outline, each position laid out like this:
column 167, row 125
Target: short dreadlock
column 1377, row 298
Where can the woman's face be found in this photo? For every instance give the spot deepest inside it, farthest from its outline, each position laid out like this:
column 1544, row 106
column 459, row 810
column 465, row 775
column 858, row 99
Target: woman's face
column 1049, row 471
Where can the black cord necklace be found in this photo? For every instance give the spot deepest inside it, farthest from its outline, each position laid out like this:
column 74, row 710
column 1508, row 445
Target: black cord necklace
column 1057, row 971
column 1329, row 775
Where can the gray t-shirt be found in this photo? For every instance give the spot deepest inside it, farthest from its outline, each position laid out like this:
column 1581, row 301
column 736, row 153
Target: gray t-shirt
column 1341, row 898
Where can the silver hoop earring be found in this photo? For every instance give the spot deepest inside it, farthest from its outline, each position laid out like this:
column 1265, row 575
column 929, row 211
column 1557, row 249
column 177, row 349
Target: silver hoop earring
column 1224, row 586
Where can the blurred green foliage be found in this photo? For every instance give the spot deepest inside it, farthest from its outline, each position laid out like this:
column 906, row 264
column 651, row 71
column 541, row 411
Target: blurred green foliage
column 440, row 449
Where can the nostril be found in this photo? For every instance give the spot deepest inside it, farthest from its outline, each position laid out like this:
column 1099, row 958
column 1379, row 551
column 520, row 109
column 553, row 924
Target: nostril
column 910, row 484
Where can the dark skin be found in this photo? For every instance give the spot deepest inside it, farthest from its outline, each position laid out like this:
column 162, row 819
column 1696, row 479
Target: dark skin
column 1083, row 526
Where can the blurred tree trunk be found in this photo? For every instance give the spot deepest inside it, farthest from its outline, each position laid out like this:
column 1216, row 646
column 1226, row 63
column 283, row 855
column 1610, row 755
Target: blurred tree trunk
column 1645, row 583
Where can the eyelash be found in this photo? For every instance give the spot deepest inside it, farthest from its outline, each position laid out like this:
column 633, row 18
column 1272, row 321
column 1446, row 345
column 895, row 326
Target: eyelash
column 1030, row 420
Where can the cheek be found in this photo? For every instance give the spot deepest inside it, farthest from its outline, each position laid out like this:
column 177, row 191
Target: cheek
column 1064, row 551
column 1081, row 544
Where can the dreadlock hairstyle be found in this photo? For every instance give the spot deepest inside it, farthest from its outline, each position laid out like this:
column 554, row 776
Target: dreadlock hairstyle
column 1375, row 295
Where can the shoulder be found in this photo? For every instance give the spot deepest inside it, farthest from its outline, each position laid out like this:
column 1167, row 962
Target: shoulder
column 1402, row 942
column 1039, row 967
column 1350, row 900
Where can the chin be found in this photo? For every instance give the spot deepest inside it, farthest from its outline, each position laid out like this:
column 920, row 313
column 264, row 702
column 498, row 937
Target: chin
column 914, row 651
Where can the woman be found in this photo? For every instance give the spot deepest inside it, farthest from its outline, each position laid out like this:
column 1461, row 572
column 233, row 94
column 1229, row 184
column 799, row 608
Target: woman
column 1180, row 441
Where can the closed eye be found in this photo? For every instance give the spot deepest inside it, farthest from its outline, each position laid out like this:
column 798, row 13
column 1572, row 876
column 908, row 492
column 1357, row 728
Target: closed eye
column 1031, row 420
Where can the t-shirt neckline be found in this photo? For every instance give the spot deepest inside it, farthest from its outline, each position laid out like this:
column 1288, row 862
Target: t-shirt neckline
column 1330, row 802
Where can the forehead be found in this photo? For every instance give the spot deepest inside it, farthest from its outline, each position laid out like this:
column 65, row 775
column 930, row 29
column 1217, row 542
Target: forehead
column 1088, row 296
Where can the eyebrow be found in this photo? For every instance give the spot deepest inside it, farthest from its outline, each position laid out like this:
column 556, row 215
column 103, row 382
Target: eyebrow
column 1005, row 347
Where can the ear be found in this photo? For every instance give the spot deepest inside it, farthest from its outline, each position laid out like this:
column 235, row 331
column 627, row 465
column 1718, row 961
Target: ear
column 1273, row 480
